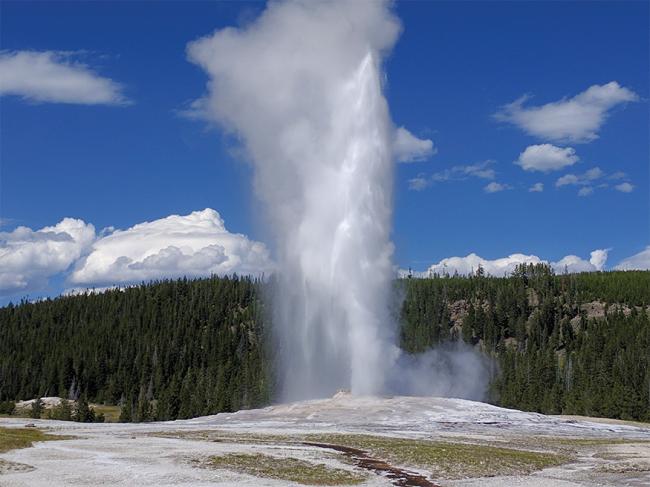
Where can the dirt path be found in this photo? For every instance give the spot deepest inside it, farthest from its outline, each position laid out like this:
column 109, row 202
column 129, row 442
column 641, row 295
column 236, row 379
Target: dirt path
column 398, row 476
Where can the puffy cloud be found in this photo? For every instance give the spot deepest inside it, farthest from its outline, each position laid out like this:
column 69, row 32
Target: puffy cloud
column 624, row 187
column 598, row 258
column 408, row 148
column 567, row 179
column 495, row 187
column 573, row 263
column 593, row 174
column 640, row 261
column 576, row 119
column 536, row 188
column 29, row 258
column 586, row 191
column 506, row 265
column 192, row 245
column 479, row 170
column 470, row 263
column 53, row 77
column 546, row 157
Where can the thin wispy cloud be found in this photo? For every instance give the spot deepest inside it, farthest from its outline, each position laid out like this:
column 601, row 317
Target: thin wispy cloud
column 594, row 178
column 639, row 261
column 419, row 183
column 5, row 221
column 617, row 175
column 480, row 170
column 577, row 119
column 495, row 187
column 580, row 179
column 55, row 77
column 624, row 187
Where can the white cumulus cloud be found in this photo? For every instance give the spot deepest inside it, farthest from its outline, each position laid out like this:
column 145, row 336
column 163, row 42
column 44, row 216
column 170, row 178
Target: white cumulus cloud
column 408, row 148
column 640, row 261
column 598, row 258
column 192, row 245
column 536, row 188
column 29, row 258
column 546, row 158
column 506, row 265
column 54, row 77
column 576, row 119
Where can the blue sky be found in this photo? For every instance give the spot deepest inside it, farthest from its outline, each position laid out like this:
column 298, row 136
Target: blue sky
column 456, row 64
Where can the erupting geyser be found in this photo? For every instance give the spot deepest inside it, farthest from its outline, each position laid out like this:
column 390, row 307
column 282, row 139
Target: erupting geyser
column 302, row 87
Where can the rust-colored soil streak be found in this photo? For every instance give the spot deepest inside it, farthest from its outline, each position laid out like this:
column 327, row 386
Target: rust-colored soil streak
column 398, row 476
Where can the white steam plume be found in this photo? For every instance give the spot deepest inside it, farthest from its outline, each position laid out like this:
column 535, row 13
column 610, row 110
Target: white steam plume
column 302, row 87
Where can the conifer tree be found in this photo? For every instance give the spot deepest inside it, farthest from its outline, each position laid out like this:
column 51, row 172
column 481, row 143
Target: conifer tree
column 37, row 409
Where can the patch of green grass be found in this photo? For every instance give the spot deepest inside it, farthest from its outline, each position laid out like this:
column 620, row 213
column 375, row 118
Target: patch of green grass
column 447, row 460
column 219, row 436
column 111, row 413
column 19, row 413
column 569, row 446
column 579, row 442
column 287, row 468
column 14, row 438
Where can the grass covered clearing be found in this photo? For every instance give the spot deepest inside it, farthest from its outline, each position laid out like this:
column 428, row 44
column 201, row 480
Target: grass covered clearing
column 14, row 438
column 586, row 442
column 445, row 459
column 111, row 413
column 568, row 446
column 286, row 468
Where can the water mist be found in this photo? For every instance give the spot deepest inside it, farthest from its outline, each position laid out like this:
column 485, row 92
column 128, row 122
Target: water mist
column 302, row 87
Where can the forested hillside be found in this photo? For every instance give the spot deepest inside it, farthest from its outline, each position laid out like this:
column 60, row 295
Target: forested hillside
column 166, row 350
column 573, row 344
column 577, row 344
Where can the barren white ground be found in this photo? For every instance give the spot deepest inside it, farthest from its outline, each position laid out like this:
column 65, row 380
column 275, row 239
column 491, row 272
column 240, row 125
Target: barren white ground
column 128, row 454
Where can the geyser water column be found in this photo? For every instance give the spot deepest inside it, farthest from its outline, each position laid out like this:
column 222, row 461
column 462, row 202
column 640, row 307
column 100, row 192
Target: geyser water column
column 334, row 325
column 301, row 86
